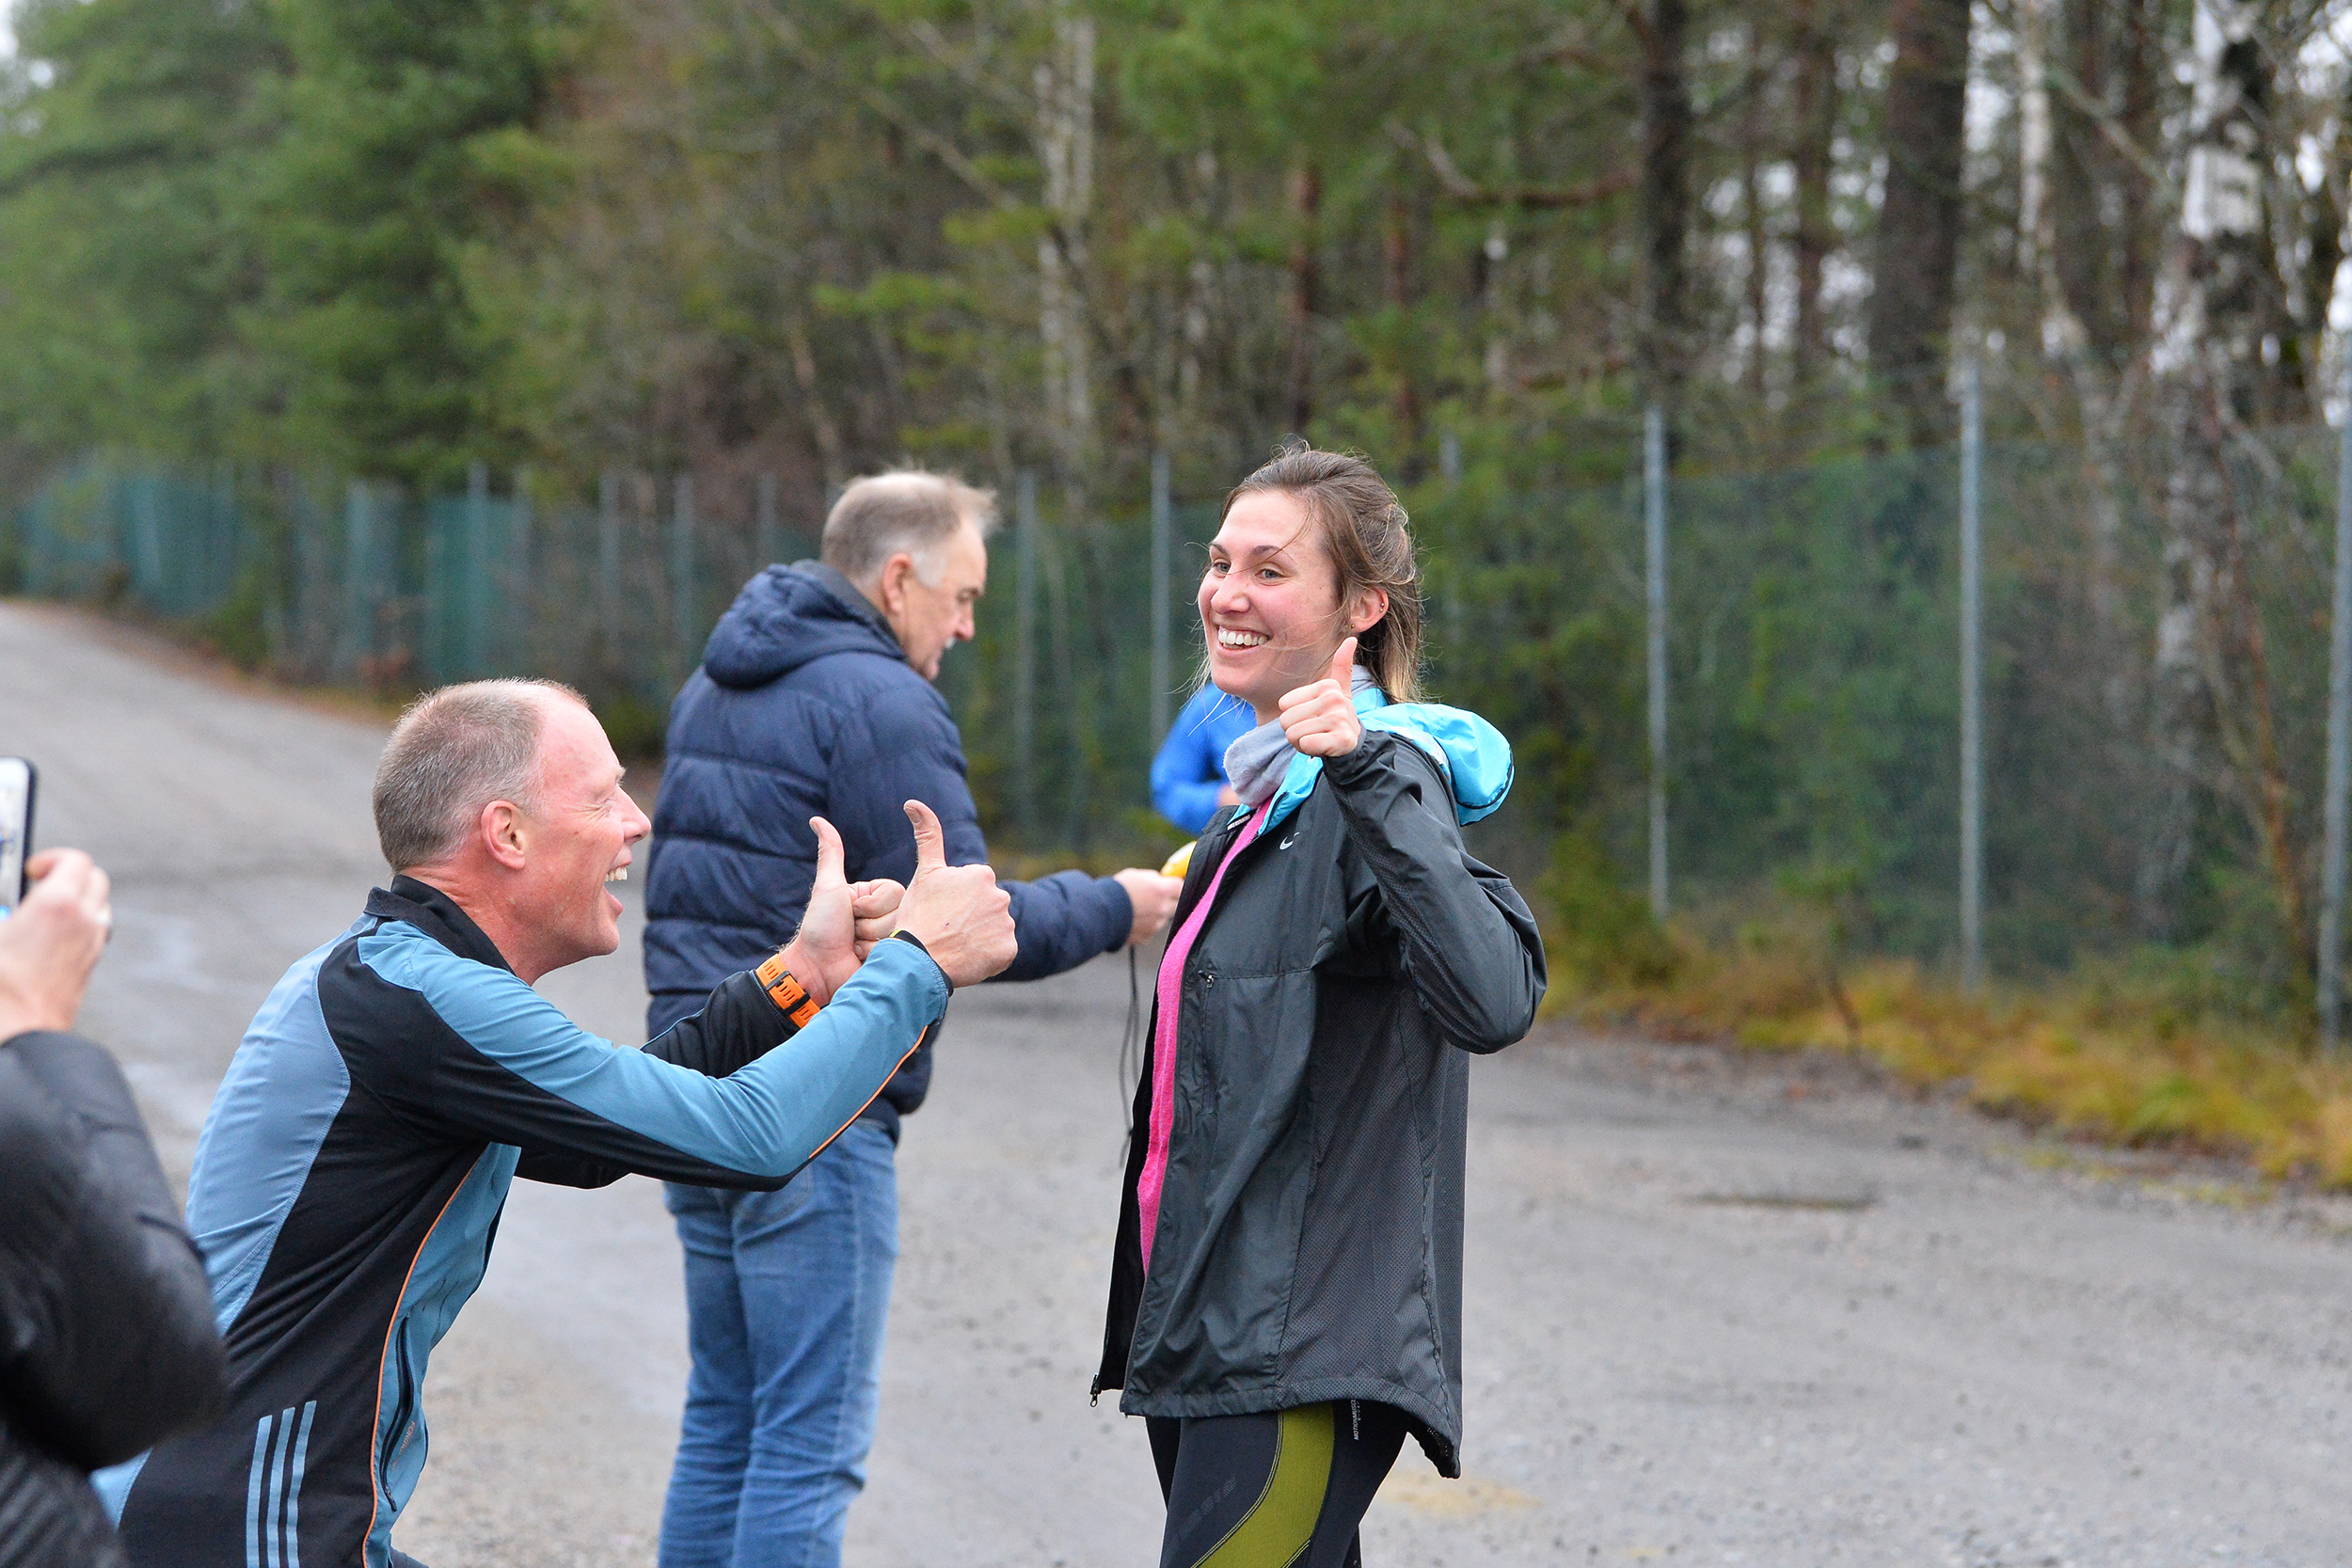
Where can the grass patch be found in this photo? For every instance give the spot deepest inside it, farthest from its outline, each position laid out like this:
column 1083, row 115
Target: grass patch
column 2112, row 1053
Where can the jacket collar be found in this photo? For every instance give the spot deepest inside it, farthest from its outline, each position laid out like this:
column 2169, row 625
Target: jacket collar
column 846, row 593
column 1471, row 755
column 437, row 914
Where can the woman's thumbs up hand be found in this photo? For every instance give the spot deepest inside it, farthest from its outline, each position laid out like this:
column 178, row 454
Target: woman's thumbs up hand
column 957, row 912
column 1320, row 718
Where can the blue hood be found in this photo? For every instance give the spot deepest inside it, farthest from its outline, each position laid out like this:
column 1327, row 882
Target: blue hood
column 1468, row 751
column 788, row 616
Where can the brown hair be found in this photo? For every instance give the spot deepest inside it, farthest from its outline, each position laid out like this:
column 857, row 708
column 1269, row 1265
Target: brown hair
column 1365, row 528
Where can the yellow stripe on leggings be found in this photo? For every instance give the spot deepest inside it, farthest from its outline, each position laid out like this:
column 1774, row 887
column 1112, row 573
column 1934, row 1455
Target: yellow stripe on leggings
column 1281, row 1524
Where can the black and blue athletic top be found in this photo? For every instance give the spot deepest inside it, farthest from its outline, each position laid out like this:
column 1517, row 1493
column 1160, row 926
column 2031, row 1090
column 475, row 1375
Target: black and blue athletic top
column 350, row 1175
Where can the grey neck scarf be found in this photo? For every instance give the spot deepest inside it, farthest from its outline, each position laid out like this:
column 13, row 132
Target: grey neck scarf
column 1257, row 760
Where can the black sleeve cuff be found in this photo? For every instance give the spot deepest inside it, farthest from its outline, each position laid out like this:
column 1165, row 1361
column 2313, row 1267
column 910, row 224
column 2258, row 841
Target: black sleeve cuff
column 917, row 943
column 1354, row 766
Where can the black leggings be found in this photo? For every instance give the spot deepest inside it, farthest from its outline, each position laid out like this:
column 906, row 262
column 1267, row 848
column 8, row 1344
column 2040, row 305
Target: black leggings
column 1285, row 1489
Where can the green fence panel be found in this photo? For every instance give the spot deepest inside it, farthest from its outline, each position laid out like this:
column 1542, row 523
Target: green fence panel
column 1813, row 647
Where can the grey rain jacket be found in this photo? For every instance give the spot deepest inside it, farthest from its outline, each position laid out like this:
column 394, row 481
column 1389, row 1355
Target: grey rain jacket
column 106, row 1337
column 1308, row 1245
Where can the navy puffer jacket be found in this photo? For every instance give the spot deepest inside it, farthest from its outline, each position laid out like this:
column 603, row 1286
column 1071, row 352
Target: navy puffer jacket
column 804, row 706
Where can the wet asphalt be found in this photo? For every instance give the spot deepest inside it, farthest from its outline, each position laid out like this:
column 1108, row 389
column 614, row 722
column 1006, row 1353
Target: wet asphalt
column 1718, row 1310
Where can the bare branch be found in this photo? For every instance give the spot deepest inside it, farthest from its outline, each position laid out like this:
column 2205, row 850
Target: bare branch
column 1462, row 188
column 788, row 33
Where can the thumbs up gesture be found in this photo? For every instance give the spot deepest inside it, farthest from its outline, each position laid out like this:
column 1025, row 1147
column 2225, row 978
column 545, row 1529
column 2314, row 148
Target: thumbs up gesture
column 833, row 938
column 957, row 912
column 1320, row 718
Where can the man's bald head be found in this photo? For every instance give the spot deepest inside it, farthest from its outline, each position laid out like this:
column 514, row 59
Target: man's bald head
column 452, row 752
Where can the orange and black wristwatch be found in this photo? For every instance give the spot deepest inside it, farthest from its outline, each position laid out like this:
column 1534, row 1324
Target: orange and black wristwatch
column 786, row 991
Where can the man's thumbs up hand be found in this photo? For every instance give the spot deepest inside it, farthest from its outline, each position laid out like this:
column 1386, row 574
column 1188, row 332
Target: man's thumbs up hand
column 931, row 844
column 826, row 952
column 1320, row 718
column 957, row 912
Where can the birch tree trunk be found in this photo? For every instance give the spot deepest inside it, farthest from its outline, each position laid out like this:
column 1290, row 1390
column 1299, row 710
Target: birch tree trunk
column 1065, row 114
column 1916, row 274
column 1306, row 274
column 1664, row 347
column 1812, row 41
column 1752, row 150
column 2208, row 353
column 2050, row 187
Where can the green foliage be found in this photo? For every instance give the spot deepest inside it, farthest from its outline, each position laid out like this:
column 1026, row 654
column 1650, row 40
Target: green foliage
column 124, row 249
column 1598, row 936
column 637, row 728
column 806, row 238
column 241, row 228
column 399, row 144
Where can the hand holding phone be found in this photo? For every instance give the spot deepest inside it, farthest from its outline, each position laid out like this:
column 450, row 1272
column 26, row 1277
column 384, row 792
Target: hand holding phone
column 17, row 778
column 49, row 947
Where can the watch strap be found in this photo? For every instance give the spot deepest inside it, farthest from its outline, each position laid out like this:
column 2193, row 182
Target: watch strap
column 790, row 997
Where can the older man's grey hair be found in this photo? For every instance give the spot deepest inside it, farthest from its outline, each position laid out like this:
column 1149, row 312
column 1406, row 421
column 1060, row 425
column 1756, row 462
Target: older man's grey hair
column 452, row 752
column 903, row 509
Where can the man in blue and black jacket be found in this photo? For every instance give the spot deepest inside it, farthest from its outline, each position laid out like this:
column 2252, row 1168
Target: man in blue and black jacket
column 351, row 1172
column 815, row 695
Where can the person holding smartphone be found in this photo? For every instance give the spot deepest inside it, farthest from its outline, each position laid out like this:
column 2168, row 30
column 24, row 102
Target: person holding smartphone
column 1286, row 1287
column 106, row 1337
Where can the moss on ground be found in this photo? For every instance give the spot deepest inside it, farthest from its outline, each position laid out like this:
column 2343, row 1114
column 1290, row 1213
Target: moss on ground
column 2103, row 1053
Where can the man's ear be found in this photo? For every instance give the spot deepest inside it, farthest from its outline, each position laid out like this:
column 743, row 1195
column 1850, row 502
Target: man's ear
column 893, row 582
column 505, row 832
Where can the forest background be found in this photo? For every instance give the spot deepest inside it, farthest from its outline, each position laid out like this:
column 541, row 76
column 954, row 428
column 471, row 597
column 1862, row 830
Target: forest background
column 769, row 245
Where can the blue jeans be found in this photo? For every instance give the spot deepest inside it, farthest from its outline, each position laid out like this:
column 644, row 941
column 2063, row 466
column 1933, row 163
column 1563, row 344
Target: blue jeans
column 786, row 1294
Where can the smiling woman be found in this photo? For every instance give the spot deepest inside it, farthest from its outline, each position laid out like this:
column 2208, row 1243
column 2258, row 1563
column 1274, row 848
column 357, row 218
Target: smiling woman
column 1314, row 548
column 1300, row 1226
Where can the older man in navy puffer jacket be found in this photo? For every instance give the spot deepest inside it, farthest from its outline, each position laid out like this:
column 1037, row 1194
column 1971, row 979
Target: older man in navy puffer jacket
column 814, row 699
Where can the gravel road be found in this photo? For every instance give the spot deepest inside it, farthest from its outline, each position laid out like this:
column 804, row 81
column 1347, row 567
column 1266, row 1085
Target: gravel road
column 1719, row 1310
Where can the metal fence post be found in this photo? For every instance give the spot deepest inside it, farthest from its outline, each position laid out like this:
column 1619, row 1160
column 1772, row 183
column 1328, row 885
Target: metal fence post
column 2338, row 750
column 1163, row 671
column 1024, row 655
column 1449, row 470
column 358, row 642
column 1654, row 549
column 1073, row 689
column 520, row 624
column 768, row 539
column 682, row 609
column 1971, row 678
column 148, row 542
column 475, row 582
column 609, row 561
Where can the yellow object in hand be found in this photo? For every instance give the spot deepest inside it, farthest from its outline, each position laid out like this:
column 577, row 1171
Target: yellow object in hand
column 1179, row 863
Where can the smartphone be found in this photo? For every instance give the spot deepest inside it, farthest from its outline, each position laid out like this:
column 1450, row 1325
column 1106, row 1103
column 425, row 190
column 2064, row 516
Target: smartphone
column 17, row 777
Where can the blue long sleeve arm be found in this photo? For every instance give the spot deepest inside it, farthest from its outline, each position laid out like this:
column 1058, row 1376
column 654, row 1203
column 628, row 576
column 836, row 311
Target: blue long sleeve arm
column 518, row 1071
column 1189, row 774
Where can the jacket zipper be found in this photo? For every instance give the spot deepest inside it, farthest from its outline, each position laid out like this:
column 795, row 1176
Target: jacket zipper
column 400, row 1412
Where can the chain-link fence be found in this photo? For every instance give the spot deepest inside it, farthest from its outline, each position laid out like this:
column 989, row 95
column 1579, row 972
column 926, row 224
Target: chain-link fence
column 359, row 582
column 2155, row 676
